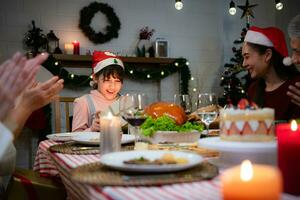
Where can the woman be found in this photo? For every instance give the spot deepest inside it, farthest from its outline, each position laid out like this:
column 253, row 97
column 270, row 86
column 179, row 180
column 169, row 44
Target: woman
column 108, row 71
column 264, row 51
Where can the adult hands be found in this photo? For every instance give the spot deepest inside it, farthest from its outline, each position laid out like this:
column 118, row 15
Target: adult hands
column 294, row 93
column 33, row 98
column 40, row 94
column 16, row 74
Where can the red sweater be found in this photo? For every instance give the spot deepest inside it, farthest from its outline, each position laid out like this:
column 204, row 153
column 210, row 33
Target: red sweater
column 279, row 100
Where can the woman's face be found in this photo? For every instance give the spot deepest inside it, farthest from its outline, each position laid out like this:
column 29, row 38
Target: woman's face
column 109, row 87
column 256, row 64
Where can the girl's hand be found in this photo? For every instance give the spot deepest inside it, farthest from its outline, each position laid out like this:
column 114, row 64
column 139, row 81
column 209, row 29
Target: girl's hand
column 96, row 124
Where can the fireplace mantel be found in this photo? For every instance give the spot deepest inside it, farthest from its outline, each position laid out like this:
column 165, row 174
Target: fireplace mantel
column 85, row 61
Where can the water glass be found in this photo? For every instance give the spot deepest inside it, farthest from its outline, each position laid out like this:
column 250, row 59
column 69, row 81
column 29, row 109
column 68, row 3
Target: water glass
column 207, row 108
column 184, row 100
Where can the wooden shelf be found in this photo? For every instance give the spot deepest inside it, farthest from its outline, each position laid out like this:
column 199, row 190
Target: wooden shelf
column 85, row 61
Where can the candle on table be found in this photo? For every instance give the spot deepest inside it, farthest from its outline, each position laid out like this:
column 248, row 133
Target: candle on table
column 248, row 182
column 76, row 48
column 288, row 137
column 110, row 138
column 68, row 48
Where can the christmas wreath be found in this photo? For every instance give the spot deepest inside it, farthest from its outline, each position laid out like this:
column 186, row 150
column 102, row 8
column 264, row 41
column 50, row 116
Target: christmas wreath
column 112, row 29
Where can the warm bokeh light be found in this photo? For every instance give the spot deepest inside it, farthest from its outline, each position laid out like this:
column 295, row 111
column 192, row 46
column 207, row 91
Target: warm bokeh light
column 279, row 6
column 178, row 5
column 232, row 11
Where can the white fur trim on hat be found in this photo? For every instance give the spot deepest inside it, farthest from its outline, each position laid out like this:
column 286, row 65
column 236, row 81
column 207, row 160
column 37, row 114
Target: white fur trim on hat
column 287, row 61
column 258, row 38
column 107, row 62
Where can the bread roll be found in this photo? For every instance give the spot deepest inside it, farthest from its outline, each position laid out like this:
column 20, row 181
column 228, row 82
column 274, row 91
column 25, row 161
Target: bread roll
column 174, row 111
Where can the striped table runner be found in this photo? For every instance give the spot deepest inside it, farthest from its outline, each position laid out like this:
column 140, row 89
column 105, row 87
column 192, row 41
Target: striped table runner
column 57, row 164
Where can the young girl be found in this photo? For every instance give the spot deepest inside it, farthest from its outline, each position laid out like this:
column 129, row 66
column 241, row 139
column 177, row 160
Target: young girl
column 264, row 51
column 108, row 71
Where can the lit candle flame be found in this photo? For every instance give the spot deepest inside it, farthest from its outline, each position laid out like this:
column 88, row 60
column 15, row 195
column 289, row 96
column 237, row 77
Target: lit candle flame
column 246, row 171
column 294, row 125
column 109, row 115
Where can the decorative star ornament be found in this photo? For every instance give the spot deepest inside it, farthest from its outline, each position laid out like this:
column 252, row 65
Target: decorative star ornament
column 247, row 9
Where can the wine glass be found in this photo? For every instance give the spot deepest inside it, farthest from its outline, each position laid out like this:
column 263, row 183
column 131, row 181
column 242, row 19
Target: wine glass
column 184, row 100
column 132, row 110
column 207, row 108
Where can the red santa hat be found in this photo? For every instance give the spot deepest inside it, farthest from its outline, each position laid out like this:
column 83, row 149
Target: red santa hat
column 270, row 37
column 102, row 59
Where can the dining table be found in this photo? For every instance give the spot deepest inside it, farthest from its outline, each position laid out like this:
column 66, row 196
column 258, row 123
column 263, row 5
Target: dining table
column 54, row 164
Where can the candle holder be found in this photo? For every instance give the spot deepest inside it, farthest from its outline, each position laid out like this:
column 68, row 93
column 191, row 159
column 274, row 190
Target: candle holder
column 53, row 42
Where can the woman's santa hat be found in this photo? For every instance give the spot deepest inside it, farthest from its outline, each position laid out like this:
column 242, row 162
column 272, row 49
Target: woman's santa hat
column 270, row 37
column 102, row 59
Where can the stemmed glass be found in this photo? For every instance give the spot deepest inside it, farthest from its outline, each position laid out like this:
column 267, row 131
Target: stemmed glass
column 184, row 101
column 132, row 110
column 207, row 108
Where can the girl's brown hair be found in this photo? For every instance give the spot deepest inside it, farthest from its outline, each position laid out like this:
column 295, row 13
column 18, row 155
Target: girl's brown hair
column 115, row 71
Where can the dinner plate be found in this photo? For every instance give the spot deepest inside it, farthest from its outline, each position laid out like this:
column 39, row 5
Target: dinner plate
column 116, row 160
column 93, row 138
column 233, row 153
column 62, row 137
column 228, row 146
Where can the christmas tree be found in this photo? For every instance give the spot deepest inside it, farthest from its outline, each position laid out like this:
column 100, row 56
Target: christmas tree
column 235, row 78
column 35, row 40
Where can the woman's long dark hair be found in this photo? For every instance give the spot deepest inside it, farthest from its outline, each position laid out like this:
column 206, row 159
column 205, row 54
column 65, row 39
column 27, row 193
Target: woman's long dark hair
column 115, row 71
column 284, row 72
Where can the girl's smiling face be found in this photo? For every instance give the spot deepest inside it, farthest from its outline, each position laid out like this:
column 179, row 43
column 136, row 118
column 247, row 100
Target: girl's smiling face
column 109, row 87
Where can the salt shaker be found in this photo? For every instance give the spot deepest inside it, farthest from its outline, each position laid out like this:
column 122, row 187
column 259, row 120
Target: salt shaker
column 110, row 140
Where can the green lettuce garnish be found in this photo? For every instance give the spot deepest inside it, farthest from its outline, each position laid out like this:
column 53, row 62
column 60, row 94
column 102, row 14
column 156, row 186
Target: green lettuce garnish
column 165, row 123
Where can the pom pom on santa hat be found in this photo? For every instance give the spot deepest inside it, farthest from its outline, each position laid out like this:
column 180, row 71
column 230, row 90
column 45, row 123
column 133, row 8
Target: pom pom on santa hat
column 270, row 37
column 102, row 59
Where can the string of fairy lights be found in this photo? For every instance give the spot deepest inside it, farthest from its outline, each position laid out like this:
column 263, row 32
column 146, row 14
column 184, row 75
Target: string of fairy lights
column 180, row 65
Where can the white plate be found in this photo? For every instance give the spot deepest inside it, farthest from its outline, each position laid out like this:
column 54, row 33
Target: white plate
column 115, row 160
column 233, row 153
column 62, row 137
column 228, row 146
column 93, row 138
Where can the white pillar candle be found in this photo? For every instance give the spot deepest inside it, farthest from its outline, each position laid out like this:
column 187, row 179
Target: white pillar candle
column 110, row 138
column 69, row 48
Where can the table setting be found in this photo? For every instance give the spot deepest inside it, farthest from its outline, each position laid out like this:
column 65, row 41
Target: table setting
column 111, row 165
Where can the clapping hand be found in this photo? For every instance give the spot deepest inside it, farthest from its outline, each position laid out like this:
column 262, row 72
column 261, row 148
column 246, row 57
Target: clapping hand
column 16, row 74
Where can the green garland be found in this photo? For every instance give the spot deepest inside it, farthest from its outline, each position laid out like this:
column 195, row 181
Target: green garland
column 112, row 29
column 72, row 80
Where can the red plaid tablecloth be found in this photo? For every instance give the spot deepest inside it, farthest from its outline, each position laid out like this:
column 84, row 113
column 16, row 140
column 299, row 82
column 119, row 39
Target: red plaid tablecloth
column 58, row 164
